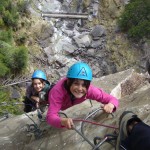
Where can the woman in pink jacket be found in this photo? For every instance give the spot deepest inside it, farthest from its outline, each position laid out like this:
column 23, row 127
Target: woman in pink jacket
column 73, row 90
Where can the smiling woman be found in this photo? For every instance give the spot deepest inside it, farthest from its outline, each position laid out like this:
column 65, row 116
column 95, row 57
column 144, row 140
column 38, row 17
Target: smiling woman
column 78, row 88
column 73, row 90
column 37, row 91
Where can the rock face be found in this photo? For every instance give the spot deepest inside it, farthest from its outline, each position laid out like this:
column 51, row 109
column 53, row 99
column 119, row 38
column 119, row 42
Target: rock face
column 29, row 133
column 20, row 132
column 98, row 42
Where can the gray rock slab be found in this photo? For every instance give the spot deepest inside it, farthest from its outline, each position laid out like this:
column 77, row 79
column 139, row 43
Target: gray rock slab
column 109, row 82
column 14, row 134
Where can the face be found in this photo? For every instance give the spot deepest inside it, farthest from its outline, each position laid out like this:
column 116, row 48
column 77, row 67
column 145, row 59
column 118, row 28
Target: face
column 78, row 88
column 37, row 84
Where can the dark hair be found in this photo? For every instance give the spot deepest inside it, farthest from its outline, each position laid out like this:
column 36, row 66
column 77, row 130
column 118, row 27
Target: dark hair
column 70, row 81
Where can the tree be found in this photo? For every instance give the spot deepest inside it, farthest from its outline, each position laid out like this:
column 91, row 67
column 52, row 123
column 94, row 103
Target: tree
column 135, row 20
column 12, row 59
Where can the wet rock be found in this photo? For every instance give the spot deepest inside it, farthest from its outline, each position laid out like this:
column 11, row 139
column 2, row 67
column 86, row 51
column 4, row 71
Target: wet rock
column 68, row 49
column 96, row 43
column 61, row 1
column 46, row 32
column 49, row 51
column 96, row 69
column 146, row 48
column 45, row 43
column 59, row 24
column 97, row 32
column 83, row 40
column 43, row 33
column 15, row 94
column 65, row 7
column 69, row 33
column 91, row 51
column 62, row 72
column 95, row 8
column 70, row 25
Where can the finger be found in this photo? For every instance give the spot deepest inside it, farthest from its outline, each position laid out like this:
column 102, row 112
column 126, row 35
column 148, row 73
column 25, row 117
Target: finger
column 69, row 123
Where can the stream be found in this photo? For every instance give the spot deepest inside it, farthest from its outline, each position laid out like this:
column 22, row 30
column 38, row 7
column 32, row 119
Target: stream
column 72, row 40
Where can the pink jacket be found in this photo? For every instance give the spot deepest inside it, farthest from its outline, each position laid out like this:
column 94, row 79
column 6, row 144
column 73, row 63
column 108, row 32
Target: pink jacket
column 59, row 99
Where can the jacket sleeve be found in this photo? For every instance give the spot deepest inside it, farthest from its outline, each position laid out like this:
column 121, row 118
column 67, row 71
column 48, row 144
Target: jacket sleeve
column 99, row 95
column 55, row 101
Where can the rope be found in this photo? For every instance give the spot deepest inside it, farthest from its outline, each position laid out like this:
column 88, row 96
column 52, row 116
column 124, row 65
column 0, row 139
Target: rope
column 95, row 123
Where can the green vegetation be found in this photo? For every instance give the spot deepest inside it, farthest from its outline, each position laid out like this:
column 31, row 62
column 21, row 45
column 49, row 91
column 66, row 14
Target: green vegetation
column 13, row 53
column 135, row 19
column 9, row 13
column 7, row 105
column 12, row 59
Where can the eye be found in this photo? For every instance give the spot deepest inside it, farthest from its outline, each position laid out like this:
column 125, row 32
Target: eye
column 75, row 83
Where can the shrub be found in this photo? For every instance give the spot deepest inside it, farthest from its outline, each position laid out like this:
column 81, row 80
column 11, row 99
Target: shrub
column 13, row 56
column 14, row 59
column 7, row 105
column 21, row 39
column 10, row 19
column 22, row 7
column 135, row 19
column 3, row 68
column 6, row 36
column 20, row 57
column 9, row 13
column 138, row 31
column 1, row 23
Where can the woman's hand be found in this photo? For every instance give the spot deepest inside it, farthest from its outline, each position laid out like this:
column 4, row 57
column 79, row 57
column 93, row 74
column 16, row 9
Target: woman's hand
column 108, row 108
column 35, row 98
column 67, row 122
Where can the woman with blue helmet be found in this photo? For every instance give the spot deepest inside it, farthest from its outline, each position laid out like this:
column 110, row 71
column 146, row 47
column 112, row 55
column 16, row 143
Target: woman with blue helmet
column 37, row 91
column 75, row 89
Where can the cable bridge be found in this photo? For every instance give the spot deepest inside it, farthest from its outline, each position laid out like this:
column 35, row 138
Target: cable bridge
column 65, row 15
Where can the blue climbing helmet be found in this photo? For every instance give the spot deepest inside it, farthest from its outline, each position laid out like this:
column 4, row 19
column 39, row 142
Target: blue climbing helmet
column 80, row 70
column 39, row 74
